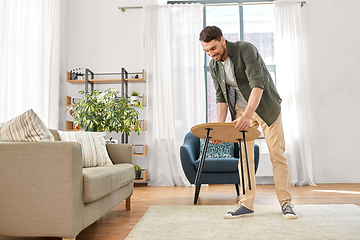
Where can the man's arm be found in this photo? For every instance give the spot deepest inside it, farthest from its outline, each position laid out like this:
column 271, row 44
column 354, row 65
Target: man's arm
column 221, row 110
column 243, row 122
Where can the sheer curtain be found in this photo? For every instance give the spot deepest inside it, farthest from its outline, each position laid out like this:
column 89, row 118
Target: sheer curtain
column 176, row 89
column 292, row 89
column 29, row 59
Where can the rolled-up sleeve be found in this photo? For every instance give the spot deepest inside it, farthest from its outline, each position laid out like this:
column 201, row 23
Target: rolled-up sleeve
column 254, row 67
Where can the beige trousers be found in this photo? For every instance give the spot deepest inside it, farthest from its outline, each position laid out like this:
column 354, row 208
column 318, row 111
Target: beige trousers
column 274, row 137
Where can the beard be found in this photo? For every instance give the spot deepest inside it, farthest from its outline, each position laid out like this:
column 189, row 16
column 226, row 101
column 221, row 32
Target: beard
column 223, row 53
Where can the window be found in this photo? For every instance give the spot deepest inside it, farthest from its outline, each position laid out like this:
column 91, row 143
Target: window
column 251, row 23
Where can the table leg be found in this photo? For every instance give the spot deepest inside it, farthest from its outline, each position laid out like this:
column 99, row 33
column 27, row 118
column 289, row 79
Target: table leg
column 241, row 167
column 201, row 166
column 237, row 189
column 247, row 161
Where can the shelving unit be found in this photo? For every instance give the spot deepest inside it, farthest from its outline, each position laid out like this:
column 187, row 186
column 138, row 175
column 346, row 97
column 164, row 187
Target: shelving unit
column 124, row 80
column 108, row 81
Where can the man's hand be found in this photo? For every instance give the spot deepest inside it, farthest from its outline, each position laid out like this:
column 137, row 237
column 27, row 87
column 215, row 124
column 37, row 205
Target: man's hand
column 242, row 123
column 216, row 142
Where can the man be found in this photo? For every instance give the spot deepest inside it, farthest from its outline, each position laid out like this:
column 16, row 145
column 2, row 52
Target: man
column 244, row 85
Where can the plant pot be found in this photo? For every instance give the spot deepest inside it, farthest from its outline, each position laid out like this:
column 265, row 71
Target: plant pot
column 134, row 98
column 137, row 175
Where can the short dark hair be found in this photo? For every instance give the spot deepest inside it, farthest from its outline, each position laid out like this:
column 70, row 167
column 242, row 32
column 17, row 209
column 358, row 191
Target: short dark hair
column 210, row 33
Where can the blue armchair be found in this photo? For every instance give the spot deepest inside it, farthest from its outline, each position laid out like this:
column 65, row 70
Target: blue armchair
column 216, row 170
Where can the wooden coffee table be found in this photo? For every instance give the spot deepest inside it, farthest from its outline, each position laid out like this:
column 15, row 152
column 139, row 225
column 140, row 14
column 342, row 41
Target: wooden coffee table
column 224, row 132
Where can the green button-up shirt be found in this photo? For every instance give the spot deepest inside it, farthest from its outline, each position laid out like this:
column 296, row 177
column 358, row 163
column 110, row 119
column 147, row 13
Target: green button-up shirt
column 250, row 71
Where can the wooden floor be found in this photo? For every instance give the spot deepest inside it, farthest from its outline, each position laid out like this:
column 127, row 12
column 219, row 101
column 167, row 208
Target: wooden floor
column 118, row 223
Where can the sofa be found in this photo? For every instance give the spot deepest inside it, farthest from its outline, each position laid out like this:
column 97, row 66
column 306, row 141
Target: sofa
column 46, row 192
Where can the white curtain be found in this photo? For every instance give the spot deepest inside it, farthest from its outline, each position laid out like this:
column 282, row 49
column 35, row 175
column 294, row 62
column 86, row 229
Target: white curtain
column 29, row 59
column 176, row 86
column 292, row 89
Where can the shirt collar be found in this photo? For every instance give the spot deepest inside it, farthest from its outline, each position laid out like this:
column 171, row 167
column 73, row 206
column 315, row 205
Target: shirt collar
column 229, row 48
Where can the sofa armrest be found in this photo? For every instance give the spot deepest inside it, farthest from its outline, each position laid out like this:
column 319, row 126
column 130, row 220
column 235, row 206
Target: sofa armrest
column 41, row 190
column 187, row 157
column 120, row 153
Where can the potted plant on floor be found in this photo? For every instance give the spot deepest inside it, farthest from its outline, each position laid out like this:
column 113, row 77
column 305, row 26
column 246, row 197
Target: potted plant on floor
column 138, row 170
column 100, row 112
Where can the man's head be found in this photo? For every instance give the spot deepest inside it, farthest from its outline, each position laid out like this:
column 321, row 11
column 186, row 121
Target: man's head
column 213, row 43
column 210, row 33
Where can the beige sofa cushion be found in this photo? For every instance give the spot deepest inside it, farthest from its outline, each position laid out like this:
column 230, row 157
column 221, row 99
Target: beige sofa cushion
column 101, row 181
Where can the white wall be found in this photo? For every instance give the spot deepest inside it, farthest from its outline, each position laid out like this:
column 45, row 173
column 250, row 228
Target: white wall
column 98, row 36
column 332, row 48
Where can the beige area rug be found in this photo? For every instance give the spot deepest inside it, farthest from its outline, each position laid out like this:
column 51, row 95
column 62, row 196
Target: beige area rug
column 207, row 222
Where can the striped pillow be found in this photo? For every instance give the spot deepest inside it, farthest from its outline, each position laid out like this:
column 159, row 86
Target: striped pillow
column 26, row 127
column 94, row 153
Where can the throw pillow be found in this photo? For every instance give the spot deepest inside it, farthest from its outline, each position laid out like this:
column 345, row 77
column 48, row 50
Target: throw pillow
column 26, row 127
column 223, row 150
column 94, row 153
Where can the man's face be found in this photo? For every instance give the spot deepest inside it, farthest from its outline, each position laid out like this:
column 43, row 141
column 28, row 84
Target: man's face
column 215, row 49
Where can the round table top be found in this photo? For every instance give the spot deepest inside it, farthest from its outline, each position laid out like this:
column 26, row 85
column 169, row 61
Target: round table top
column 224, row 132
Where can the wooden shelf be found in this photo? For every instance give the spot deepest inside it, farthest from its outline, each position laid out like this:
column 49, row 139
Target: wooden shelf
column 68, row 101
column 70, row 127
column 144, row 150
column 142, row 181
column 108, row 81
column 137, row 183
column 143, row 102
column 143, row 125
column 142, row 99
column 144, row 177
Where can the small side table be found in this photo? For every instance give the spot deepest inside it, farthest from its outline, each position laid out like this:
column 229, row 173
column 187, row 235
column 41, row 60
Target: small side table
column 224, row 132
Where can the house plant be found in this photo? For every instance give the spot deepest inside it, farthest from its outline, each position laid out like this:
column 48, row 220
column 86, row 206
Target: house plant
column 99, row 112
column 134, row 97
column 137, row 169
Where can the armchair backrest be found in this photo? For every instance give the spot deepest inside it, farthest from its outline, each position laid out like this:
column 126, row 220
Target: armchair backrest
column 194, row 143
